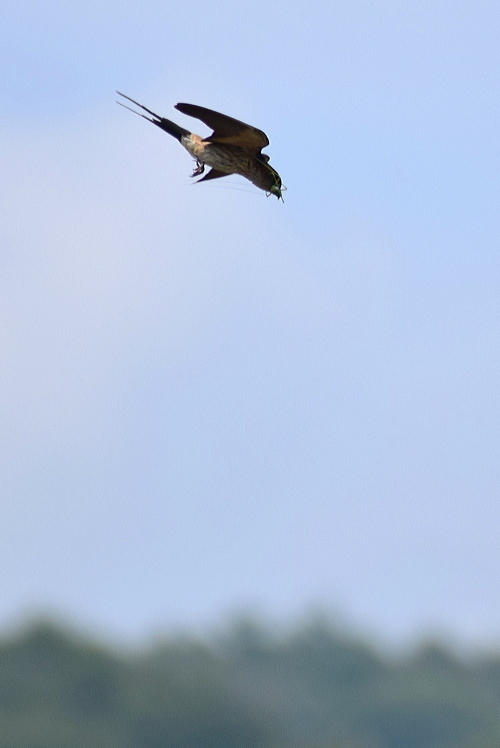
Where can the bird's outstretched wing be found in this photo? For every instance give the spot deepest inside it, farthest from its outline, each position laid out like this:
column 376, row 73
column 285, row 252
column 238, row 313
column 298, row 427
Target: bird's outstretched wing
column 226, row 129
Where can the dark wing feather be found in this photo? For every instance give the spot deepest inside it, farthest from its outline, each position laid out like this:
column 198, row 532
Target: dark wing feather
column 226, row 129
column 213, row 174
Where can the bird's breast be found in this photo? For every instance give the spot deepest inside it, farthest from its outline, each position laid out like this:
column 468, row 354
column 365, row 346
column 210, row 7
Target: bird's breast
column 228, row 158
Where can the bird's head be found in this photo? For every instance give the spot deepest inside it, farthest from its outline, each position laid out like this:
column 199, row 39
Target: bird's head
column 272, row 180
column 275, row 189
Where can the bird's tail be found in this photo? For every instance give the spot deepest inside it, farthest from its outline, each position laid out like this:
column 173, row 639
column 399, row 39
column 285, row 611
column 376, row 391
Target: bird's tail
column 164, row 124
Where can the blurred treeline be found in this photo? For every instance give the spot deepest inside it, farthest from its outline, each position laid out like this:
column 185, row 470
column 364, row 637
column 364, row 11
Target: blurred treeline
column 248, row 687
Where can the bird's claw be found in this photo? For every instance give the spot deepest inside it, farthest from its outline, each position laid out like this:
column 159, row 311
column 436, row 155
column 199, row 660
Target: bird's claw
column 200, row 168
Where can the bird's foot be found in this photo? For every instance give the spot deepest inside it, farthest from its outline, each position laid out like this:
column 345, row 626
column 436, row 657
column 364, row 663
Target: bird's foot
column 200, row 168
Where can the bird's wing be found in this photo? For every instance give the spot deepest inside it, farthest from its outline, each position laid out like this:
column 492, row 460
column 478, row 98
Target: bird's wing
column 213, row 174
column 226, row 129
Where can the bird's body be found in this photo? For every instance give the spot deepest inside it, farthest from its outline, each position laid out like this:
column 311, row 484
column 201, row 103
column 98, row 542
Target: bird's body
column 233, row 147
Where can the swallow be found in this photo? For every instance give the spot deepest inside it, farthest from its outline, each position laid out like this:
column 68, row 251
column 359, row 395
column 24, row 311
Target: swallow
column 233, row 147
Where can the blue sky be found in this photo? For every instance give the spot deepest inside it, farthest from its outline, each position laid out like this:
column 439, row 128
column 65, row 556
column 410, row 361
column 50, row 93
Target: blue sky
column 212, row 401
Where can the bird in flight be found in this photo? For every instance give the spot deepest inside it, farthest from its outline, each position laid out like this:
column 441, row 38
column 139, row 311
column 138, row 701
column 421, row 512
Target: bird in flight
column 232, row 148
